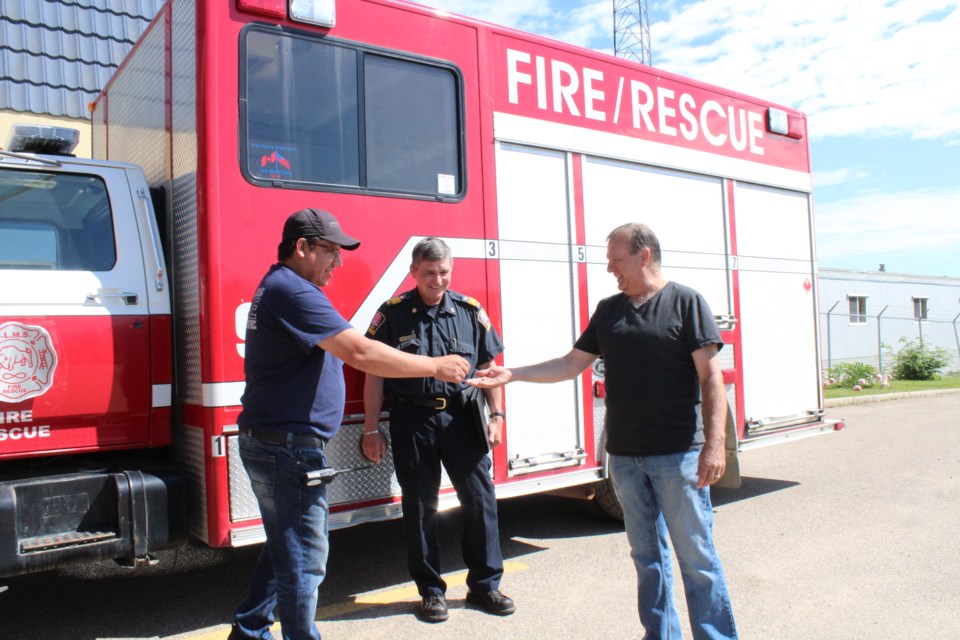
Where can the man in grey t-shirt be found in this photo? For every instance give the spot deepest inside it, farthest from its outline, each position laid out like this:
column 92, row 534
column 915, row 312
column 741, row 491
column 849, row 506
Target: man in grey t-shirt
column 666, row 414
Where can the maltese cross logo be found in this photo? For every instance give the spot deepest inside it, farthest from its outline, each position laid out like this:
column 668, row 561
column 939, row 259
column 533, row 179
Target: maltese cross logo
column 27, row 361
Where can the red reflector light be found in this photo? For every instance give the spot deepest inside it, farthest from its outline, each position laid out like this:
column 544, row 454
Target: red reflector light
column 599, row 389
column 274, row 8
column 794, row 127
column 785, row 124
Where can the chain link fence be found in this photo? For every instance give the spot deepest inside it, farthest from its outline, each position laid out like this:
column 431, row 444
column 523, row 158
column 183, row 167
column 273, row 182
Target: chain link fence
column 874, row 339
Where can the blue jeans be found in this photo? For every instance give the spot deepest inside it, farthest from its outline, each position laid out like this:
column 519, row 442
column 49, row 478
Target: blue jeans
column 659, row 495
column 294, row 559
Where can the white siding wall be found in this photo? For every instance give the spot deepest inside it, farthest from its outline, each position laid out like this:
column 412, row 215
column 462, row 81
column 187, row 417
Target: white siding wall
column 847, row 342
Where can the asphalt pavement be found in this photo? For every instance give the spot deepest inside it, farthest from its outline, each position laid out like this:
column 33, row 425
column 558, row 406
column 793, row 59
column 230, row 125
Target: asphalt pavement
column 850, row 535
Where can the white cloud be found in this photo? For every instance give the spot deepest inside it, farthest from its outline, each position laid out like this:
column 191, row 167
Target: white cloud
column 855, row 67
column 842, row 176
column 588, row 25
column 528, row 15
column 581, row 22
column 889, row 225
column 508, row 14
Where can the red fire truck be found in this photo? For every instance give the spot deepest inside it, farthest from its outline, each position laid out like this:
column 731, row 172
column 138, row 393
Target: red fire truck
column 127, row 279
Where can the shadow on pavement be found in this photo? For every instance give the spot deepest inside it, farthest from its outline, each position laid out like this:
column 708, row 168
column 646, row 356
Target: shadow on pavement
column 750, row 488
column 380, row 559
column 198, row 588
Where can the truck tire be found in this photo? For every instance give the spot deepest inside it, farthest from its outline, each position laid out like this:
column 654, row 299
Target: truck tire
column 604, row 496
column 606, row 499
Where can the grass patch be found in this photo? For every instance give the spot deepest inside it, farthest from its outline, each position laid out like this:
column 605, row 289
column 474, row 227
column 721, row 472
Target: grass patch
column 896, row 386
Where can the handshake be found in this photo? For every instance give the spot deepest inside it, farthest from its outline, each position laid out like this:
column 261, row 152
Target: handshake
column 455, row 369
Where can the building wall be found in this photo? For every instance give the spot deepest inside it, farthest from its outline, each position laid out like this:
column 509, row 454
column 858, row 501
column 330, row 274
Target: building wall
column 56, row 56
column 889, row 315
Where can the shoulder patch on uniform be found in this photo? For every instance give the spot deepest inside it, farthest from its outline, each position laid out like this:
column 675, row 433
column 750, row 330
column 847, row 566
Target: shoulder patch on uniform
column 395, row 300
column 482, row 318
column 375, row 324
column 471, row 301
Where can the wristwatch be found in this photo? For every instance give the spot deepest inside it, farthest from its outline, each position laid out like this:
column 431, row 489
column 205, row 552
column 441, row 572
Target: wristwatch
column 494, row 414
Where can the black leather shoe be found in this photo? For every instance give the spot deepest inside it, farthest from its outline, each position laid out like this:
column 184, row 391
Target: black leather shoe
column 434, row 609
column 235, row 633
column 492, row 602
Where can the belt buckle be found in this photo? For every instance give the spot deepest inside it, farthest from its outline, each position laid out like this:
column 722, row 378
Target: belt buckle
column 443, row 404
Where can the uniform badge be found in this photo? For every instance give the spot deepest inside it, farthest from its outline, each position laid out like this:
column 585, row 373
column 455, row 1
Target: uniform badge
column 378, row 319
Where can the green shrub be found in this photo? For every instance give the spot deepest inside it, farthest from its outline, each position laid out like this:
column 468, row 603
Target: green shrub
column 851, row 374
column 915, row 361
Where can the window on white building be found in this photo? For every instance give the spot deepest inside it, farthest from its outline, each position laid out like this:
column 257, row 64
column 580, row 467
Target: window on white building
column 858, row 309
column 919, row 308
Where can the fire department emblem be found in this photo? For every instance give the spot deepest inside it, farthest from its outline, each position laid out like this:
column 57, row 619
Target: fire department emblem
column 27, row 361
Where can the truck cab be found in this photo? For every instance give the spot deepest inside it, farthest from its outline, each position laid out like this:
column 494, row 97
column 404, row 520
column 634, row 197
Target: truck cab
column 85, row 360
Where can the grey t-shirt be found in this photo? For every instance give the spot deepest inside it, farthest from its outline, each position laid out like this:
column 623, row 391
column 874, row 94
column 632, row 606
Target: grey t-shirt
column 653, row 391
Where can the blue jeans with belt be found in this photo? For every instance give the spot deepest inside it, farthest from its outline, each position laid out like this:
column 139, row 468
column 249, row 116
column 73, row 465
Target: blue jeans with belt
column 659, row 495
column 294, row 558
column 422, row 440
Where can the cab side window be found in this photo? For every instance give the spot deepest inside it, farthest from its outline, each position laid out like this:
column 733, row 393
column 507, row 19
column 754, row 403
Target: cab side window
column 51, row 221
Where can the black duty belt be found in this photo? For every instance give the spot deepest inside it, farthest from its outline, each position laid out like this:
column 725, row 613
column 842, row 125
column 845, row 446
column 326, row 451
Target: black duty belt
column 280, row 438
column 431, row 403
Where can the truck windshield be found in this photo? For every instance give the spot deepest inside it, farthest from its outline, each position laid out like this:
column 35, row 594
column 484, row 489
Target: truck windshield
column 330, row 115
column 55, row 221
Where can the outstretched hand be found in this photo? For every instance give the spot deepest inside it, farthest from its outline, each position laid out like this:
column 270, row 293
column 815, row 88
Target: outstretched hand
column 491, row 378
column 452, row 368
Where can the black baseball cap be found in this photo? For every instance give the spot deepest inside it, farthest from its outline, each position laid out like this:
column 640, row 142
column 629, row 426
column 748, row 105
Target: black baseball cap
column 317, row 223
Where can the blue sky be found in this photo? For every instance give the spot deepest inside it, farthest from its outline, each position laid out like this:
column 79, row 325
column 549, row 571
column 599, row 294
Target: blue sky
column 878, row 79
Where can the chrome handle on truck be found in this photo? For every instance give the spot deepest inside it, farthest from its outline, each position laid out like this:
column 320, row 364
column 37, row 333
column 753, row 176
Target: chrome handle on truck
column 726, row 322
column 100, row 296
column 148, row 216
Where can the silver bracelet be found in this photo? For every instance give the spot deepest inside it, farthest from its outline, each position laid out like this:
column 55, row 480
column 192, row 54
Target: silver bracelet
column 370, row 433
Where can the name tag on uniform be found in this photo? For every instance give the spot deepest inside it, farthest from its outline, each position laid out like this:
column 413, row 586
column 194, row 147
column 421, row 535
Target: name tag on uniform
column 407, row 338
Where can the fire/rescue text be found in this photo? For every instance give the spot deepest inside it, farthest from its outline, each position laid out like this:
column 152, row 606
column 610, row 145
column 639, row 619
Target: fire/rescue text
column 660, row 109
column 22, row 430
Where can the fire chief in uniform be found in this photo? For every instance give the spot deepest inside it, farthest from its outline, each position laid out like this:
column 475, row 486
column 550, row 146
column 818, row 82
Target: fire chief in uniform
column 434, row 422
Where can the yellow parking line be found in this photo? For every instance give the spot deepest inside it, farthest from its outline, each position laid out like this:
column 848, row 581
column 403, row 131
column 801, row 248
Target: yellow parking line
column 365, row 601
column 218, row 634
column 400, row 594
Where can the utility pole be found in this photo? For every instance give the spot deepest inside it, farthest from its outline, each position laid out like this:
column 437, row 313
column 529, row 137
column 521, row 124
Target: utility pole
column 631, row 30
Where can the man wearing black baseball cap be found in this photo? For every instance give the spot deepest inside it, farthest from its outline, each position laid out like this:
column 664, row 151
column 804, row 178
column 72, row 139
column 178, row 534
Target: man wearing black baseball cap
column 296, row 344
column 317, row 223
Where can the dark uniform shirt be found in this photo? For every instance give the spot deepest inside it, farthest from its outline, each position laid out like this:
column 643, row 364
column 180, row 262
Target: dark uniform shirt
column 458, row 326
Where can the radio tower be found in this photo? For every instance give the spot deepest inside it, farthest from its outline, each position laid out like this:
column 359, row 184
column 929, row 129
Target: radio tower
column 631, row 30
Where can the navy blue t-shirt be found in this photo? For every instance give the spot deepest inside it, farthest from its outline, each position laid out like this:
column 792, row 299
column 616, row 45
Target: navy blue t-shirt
column 292, row 384
column 653, row 390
